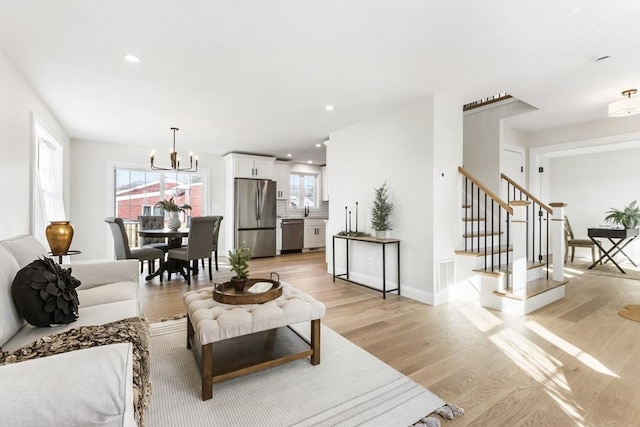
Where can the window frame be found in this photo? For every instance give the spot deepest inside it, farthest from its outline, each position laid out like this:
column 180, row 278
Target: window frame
column 316, row 190
column 204, row 173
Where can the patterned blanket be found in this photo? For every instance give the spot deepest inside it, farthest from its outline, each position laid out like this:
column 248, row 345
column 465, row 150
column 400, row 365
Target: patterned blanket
column 134, row 330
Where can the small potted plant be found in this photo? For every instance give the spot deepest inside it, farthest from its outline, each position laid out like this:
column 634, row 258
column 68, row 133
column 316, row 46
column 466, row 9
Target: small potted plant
column 381, row 211
column 174, row 212
column 629, row 217
column 239, row 260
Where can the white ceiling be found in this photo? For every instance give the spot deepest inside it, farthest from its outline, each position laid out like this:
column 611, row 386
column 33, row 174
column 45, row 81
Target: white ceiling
column 256, row 76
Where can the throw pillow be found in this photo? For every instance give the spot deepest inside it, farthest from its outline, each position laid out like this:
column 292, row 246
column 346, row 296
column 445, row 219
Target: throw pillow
column 45, row 293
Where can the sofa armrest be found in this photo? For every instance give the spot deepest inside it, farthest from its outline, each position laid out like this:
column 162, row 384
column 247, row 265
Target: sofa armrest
column 89, row 387
column 104, row 272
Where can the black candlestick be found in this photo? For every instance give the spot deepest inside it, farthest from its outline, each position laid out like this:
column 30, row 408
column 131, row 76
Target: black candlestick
column 345, row 220
column 356, row 217
column 349, row 221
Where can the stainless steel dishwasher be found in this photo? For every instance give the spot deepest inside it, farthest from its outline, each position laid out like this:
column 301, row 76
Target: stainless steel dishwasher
column 292, row 235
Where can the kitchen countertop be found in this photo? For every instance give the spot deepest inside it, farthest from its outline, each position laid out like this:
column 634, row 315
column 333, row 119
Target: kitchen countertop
column 301, row 217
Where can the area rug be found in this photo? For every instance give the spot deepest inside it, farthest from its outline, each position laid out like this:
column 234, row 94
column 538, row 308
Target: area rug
column 349, row 387
column 607, row 269
column 631, row 312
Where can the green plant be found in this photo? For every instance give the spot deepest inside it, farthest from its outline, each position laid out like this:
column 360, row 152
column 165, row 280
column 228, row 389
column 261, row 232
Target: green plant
column 382, row 209
column 239, row 260
column 629, row 217
column 170, row 206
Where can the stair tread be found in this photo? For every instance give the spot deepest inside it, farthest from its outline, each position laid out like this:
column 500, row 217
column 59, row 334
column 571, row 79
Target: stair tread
column 483, row 252
column 482, row 234
column 473, row 219
column 534, row 287
column 505, row 269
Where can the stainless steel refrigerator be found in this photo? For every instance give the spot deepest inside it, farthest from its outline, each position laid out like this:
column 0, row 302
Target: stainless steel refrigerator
column 255, row 215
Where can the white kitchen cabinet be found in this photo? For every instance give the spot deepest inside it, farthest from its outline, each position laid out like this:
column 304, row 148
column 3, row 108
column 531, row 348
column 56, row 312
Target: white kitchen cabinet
column 281, row 173
column 314, row 233
column 325, row 184
column 246, row 166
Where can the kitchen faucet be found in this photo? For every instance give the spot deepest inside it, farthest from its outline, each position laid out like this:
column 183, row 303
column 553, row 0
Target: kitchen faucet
column 306, row 211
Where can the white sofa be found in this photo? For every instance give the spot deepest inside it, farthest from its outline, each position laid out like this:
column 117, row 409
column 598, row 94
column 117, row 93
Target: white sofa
column 97, row 382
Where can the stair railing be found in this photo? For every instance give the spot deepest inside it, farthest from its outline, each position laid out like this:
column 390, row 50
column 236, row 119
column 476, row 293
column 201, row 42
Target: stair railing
column 537, row 212
column 478, row 201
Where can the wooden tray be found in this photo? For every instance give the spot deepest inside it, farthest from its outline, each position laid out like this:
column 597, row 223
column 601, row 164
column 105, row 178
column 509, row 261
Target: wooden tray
column 224, row 292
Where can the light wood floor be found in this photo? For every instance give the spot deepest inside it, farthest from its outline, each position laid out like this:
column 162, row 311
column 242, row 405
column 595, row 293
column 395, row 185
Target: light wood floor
column 572, row 363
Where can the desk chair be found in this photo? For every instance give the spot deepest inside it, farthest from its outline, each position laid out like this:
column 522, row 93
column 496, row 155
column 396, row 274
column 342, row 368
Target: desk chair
column 198, row 246
column 571, row 242
column 123, row 251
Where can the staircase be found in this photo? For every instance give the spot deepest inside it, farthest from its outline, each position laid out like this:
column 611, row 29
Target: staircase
column 503, row 256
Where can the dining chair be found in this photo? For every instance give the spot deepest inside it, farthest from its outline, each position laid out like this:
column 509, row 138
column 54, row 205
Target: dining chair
column 198, row 246
column 214, row 248
column 152, row 222
column 123, row 251
column 573, row 243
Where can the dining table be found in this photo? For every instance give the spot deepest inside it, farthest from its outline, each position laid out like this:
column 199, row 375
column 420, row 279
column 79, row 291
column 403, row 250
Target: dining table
column 174, row 240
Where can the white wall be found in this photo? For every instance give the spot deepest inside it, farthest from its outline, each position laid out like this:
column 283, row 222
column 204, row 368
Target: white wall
column 18, row 104
column 92, row 189
column 585, row 131
column 591, row 184
column 483, row 134
column 405, row 149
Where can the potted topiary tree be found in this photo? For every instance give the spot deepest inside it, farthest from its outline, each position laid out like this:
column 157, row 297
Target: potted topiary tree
column 381, row 211
column 629, row 217
column 239, row 260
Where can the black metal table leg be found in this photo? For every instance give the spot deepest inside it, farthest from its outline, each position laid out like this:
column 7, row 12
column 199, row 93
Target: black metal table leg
column 384, row 272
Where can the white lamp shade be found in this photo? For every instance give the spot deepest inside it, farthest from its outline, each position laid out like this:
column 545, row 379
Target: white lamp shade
column 625, row 107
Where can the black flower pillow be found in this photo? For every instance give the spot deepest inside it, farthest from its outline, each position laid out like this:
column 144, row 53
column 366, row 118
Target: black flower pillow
column 45, row 293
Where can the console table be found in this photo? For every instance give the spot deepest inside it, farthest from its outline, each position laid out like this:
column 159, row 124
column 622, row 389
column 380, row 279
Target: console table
column 621, row 235
column 374, row 240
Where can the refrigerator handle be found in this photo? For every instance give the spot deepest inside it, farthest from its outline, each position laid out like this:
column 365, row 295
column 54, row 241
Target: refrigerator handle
column 258, row 197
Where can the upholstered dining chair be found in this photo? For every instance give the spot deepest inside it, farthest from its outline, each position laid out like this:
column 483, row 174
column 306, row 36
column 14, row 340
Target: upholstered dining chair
column 123, row 251
column 151, row 222
column 571, row 242
column 214, row 248
column 198, row 246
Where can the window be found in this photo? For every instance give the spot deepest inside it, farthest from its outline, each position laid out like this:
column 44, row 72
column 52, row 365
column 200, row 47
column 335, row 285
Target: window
column 303, row 190
column 48, row 203
column 137, row 191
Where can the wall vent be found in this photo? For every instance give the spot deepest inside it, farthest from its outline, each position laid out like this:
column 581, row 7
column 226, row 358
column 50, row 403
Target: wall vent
column 445, row 274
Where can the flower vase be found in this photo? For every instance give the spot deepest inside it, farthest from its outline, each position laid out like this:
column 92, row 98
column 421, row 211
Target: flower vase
column 174, row 221
column 59, row 235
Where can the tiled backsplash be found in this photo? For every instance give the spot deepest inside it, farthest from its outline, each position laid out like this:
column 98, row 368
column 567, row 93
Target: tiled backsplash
column 283, row 210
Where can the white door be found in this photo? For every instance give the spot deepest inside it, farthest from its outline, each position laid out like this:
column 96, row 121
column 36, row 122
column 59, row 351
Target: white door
column 512, row 165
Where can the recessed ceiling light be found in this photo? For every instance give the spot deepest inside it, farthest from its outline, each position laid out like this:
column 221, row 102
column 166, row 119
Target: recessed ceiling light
column 329, row 108
column 309, row 161
column 318, row 145
column 601, row 58
column 289, row 155
column 131, row 58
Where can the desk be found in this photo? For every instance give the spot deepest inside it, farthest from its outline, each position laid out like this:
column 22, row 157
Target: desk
column 174, row 240
column 621, row 235
column 374, row 240
column 68, row 253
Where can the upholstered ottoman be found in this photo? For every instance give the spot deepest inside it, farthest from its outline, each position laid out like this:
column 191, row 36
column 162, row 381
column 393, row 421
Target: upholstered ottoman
column 249, row 337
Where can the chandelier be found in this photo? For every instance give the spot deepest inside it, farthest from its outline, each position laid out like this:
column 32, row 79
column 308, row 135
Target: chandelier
column 627, row 106
column 175, row 160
